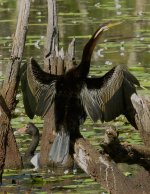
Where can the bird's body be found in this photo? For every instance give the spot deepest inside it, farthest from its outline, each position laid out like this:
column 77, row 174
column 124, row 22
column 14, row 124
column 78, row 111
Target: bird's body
column 69, row 115
column 67, row 98
column 30, row 159
column 76, row 96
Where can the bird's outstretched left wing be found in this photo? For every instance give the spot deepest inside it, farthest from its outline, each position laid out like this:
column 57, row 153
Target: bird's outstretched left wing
column 109, row 96
column 38, row 89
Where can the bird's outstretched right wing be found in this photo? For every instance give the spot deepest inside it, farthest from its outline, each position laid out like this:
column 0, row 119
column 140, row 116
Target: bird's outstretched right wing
column 38, row 89
column 107, row 97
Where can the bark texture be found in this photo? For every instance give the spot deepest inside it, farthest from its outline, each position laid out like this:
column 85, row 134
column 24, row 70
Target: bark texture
column 101, row 166
column 8, row 145
column 104, row 170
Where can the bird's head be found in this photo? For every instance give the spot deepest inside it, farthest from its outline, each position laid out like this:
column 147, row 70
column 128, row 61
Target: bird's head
column 104, row 27
column 29, row 128
column 89, row 47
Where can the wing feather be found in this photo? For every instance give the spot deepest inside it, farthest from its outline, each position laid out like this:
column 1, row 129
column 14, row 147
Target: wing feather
column 28, row 98
column 38, row 89
column 110, row 93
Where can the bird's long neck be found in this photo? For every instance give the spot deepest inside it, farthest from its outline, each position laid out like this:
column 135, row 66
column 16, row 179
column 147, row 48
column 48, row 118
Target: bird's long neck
column 84, row 66
column 33, row 145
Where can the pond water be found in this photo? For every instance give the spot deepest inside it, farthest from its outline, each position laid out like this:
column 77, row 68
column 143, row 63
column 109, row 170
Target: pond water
column 127, row 43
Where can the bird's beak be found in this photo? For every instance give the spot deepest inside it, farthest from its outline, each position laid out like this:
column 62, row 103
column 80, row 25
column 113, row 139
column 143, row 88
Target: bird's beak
column 20, row 131
column 105, row 27
column 112, row 24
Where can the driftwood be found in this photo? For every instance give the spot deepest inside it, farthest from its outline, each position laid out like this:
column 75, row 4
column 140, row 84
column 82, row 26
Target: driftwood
column 104, row 170
column 101, row 166
column 8, row 146
column 125, row 153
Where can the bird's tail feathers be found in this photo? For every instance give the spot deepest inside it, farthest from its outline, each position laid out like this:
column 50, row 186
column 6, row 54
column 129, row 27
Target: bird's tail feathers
column 60, row 148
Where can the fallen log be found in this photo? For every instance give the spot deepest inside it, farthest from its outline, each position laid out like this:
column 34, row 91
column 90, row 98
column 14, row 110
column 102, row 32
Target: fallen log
column 125, row 152
column 101, row 166
column 104, row 170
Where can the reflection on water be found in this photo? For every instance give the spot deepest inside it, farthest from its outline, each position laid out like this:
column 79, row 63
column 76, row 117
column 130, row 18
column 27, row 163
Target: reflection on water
column 128, row 43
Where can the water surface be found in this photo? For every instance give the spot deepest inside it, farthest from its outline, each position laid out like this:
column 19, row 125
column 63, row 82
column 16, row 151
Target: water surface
column 127, row 43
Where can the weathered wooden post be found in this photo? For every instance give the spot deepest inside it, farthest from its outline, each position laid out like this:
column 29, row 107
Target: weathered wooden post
column 8, row 146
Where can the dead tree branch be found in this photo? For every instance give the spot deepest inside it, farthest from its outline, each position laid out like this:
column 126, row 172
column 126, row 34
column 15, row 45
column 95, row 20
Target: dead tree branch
column 103, row 170
column 51, row 43
column 125, row 153
column 141, row 106
column 8, row 146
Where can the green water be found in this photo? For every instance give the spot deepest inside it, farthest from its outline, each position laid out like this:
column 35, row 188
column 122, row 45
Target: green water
column 127, row 43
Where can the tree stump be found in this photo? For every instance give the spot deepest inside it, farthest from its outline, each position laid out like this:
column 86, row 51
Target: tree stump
column 9, row 90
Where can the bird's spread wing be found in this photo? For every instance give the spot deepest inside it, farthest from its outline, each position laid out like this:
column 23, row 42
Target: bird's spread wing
column 38, row 89
column 28, row 98
column 107, row 97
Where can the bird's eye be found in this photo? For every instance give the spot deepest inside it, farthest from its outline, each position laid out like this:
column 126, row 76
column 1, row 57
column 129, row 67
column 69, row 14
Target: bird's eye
column 27, row 126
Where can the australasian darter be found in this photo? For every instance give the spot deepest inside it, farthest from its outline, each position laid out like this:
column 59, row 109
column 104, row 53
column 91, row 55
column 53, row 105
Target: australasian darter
column 75, row 95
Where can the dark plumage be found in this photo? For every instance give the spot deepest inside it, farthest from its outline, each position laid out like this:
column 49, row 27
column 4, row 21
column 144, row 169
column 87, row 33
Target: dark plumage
column 75, row 96
column 33, row 131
